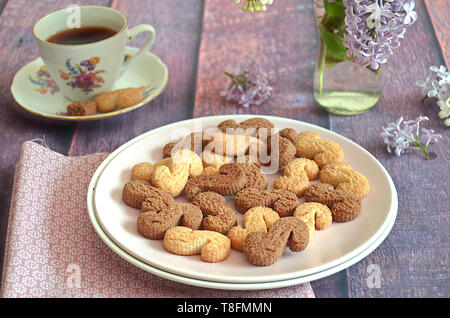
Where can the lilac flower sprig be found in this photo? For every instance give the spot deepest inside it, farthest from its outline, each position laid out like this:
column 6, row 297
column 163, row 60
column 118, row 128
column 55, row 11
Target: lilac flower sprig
column 374, row 28
column 249, row 86
column 401, row 136
column 437, row 85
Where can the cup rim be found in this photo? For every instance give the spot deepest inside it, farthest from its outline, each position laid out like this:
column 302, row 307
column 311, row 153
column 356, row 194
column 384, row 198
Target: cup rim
column 125, row 27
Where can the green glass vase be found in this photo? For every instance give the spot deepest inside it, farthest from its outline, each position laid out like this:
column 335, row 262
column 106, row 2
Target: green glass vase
column 340, row 86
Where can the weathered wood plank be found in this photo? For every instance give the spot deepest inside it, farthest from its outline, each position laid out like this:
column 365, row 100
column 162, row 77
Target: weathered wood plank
column 17, row 48
column 283, row 40
column 2, row 5
column 438, row 11
column 334, row 286
column 178, row 27
column 413, row 258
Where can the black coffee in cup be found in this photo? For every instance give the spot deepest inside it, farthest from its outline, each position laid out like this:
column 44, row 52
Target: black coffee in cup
column 83, row 35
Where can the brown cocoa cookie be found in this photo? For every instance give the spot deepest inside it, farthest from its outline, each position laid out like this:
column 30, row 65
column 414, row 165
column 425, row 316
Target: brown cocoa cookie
column 228, row 124
column 231, row 178
column 282, row 151
column 344, row 205
column 290, row 134
column 250, row 126
column 265, row 250
column 167, row 150
column 219, row 217
column 255, row 177
column 136, row 191
column 157, row 200
column 86, row 108
column 196, row 142
column 281, row 201
column 154, row 223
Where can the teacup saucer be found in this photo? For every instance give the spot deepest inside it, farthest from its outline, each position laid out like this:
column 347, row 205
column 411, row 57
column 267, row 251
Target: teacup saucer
column 34, row 90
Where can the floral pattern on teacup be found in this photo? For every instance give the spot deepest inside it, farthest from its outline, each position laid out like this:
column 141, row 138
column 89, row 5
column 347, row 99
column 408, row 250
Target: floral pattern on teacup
column 44, row 82
column 83, row 76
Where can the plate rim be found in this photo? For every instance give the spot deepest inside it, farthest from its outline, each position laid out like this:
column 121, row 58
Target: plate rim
column 392, row 210
column 98, row 115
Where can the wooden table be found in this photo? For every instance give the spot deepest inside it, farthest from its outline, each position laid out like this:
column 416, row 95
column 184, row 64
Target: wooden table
column 198, row 40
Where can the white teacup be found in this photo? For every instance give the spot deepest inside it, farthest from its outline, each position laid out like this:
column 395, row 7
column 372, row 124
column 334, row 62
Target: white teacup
column 85, row 70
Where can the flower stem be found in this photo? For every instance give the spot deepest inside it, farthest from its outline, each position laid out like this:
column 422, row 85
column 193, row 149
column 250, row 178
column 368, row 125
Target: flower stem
column 240, row 80
column 421, row 148
column 321, row 66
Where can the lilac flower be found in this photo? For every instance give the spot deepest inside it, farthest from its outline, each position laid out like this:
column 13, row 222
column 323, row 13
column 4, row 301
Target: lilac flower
column 374, row 28
column 250, row 86
column 411, row 15
column 445, row 111
column 437, row 85
column 401, row 136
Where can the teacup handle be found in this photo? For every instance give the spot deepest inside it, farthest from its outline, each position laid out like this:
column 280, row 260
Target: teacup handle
column 132, row 33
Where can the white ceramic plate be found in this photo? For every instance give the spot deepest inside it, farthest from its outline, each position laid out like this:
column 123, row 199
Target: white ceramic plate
column 338, row 244
column 234, row 286
column 34, row 90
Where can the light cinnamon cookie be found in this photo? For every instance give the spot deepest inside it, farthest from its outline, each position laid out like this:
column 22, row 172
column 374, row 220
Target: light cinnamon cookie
column 258, row 219
column 173, row 173
column 311, row 146
column 343, row 177
column 212, row 246
column 316, row 216
column 142, row 171
column 232, row 145
column 214, row 161
column 296, row 176
column 120, row 98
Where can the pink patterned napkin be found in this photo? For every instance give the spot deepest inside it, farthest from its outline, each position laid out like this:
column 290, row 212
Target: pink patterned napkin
column 52, row 249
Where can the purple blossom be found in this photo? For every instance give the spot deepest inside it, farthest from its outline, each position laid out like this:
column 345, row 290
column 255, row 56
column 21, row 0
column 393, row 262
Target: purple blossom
column 250, row 86
column 90, row 67
column 374, row 28
column 437, row 85
column 401, row 136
